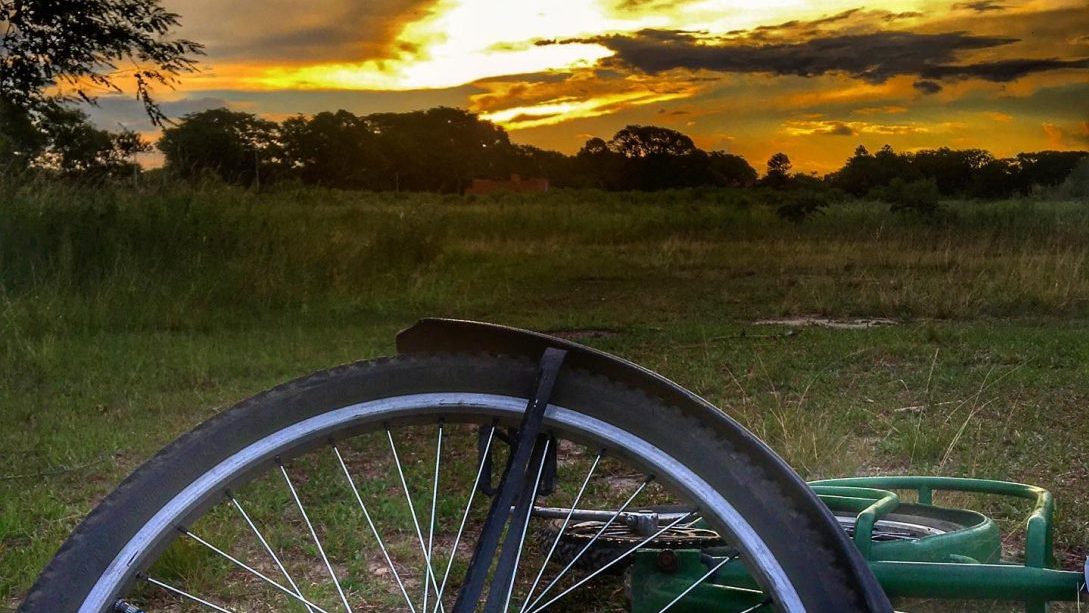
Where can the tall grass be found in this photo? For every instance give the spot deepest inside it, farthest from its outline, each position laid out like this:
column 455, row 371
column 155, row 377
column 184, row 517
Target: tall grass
column 129, row 315
column 193, row 256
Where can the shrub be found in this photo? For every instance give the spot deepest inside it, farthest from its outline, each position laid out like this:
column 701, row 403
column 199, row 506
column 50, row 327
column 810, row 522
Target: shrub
column 920, row 196
column 1076, row 185
column 797, row 205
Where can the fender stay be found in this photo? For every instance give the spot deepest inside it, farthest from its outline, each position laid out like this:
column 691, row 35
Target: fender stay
column 460, row 336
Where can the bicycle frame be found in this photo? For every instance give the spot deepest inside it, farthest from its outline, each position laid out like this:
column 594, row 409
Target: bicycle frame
column 963, row 564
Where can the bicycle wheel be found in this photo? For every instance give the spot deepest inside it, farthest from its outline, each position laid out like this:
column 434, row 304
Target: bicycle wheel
column 357, row 489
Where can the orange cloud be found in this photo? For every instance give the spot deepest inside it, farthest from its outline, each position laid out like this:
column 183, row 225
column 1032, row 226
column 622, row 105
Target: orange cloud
column 1054, row 135
column 849, row 128
column 891, row 109
column 535, row 65
column 560, row 110
column 523, row 105
column 1059, row 137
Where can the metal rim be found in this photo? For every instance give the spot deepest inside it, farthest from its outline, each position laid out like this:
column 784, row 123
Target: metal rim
column 303, row 435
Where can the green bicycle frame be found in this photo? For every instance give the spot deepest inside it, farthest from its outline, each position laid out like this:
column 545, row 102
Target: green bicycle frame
column 960, row 564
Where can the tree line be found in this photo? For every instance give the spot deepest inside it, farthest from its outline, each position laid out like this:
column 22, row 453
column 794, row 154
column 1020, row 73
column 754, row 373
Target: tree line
column 443, row 149
column 58, row 140
column 440, row 149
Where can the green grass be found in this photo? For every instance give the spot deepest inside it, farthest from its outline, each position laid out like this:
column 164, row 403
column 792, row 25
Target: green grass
column 127, row 318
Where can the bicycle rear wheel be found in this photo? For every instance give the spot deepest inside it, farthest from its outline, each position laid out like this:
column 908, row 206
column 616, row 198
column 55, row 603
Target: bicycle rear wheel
column 356, row 488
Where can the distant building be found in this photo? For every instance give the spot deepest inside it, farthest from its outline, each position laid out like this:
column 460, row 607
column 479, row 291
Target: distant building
column 515, row 184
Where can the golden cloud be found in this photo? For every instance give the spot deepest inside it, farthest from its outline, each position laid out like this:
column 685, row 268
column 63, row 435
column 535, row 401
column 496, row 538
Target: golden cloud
column 849, row 128
column 560, row 110
column 521, row 105
column 890, row 109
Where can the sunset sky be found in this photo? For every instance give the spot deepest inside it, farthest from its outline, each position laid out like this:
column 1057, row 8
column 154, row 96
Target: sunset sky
column 812, row 79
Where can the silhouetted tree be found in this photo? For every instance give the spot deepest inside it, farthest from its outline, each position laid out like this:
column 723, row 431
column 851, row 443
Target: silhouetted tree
column 54, row 52
column 238, row 147
column 864, row 172
column 659, row 158
column 594, row 146
column 952, row 170
column 648, row 141
column 858, row 175
column 64, row 144
column 730, row 170
column 1045, row 168
column 440, row 149
column 995, row 179
column 778, row 174
column 336, row 150
column 598, row 166
column 76, row 149
column 1076, row 184
column 530, row 161
column 74, row 45
column 21, row 141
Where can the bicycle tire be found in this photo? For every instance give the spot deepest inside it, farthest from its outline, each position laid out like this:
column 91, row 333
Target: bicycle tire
column 802, row 563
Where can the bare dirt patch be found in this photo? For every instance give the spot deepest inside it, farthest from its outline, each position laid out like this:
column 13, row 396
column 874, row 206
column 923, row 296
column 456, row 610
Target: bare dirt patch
column 858, row 323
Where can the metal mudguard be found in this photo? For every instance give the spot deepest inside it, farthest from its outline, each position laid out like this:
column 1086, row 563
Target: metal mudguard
column 461, row 336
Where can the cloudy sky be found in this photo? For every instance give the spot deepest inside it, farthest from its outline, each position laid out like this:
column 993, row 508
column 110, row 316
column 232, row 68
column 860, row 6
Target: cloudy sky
column 811, row 78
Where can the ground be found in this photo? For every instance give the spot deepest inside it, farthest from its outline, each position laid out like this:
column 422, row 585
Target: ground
column 973, row 360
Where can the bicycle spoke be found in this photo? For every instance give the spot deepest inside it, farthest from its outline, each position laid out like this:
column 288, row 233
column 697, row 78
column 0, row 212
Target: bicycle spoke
column 249, row 569
column 758, row 606
column 465, row 516
column 185, row 594
column 571, row 563
column 264, row 543
column 693, row 522
column 429, row 576
column 556, row 541
column 614, row 561
column 434, row 498
column 697, row 582
column 374, row 530
column 317, row 541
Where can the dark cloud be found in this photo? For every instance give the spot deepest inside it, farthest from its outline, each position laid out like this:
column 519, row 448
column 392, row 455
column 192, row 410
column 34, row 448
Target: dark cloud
column 645, row 6
column 541, row 77
column 981, row 6
column 521, row 117
column 114, row 111
column 873, row 57
column 1002, row 71
column 927, row 87
column 838, row 128
column 811, row 24
column 293, row 30
column 334, row 41
column 1068, row 102
column 904, row 15
column 796, row 28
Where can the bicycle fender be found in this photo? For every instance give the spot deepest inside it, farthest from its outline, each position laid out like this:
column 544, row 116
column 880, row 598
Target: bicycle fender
column 456, row 336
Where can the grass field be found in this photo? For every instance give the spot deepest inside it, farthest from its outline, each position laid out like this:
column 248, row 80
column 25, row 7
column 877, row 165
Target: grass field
column 127, row 318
